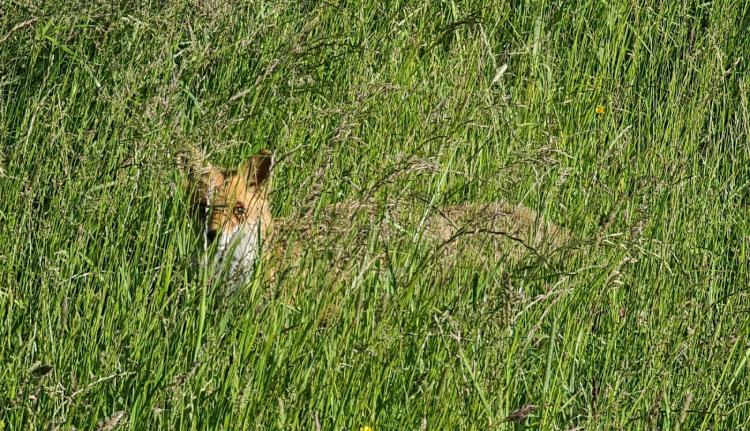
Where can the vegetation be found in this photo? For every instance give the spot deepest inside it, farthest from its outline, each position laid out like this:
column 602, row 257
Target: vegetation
column 624, row 122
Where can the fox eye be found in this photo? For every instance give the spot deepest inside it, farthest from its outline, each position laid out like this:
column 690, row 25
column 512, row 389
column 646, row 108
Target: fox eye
column 239, row 210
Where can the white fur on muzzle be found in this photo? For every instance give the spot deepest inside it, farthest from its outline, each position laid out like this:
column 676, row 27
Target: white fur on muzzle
column 237, row 253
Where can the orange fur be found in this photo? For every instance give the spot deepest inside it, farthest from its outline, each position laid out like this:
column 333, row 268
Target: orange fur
column 237, row 201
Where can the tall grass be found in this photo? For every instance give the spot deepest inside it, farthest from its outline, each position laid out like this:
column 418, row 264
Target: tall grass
column 640, row 322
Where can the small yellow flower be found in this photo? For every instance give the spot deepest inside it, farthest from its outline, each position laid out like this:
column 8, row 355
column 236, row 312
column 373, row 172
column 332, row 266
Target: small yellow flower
column 366, row 428
column 599, row 110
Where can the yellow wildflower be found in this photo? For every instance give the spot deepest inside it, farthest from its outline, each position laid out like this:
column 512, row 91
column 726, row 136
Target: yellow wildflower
column 599, row 110
column 366, row 428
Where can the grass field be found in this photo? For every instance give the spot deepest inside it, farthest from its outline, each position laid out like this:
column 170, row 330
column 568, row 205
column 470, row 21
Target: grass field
column 626, row 123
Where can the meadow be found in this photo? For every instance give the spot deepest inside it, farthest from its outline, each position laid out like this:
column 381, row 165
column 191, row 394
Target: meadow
column 625, row 122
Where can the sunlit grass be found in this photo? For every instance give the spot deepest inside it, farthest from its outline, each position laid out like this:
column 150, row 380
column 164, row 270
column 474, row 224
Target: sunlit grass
column 626, row 124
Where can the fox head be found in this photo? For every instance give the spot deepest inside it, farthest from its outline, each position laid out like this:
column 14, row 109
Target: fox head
column 233, row 208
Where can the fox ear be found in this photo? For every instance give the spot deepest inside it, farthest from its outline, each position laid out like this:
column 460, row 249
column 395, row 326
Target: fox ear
column 192, row 163
column 257, row 169
column 196, row 173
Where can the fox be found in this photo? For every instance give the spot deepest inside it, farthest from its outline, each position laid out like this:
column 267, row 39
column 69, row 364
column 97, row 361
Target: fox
column 233, row 208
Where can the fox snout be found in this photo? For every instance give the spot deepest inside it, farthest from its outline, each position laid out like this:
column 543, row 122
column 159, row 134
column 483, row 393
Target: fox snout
column 219, row 221
column 213, row 220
